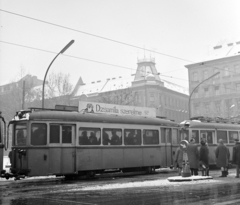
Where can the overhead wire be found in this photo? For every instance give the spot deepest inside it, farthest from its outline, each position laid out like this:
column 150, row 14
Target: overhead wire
column 96, row 36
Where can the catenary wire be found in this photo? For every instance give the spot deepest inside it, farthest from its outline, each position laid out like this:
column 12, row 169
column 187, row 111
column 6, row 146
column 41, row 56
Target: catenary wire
column 97, row 36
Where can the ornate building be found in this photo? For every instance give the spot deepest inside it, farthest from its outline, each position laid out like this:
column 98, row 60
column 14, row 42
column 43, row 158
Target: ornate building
column 144, row 88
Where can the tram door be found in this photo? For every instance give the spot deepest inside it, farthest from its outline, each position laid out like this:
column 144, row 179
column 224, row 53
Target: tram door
column 166, row 147
column 62, row 149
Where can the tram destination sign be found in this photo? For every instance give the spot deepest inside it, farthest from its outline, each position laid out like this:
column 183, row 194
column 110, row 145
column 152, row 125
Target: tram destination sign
column 93, row 107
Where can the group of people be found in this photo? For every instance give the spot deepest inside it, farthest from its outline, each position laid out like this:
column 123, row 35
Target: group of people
column 200, row 157
column 196, row 158
column 91, row 140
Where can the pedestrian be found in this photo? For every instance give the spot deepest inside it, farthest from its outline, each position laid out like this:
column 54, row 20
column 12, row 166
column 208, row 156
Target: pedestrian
column 193, row 157
column 222, row 157
column 203, row 158
column 179, row 160
column 236, row 156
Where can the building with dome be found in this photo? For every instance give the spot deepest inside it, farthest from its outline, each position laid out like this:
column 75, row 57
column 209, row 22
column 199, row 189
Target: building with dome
column 145, row 88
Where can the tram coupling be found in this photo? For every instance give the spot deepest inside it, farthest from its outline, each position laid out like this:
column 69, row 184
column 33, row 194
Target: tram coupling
column 8, row 175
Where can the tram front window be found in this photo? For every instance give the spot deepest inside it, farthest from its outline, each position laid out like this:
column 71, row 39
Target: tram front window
column 20, row 134
column 39, row 134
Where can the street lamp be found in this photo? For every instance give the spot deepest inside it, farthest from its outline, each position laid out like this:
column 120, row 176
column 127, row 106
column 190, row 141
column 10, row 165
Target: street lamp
column 189, row 102
column 61, row 52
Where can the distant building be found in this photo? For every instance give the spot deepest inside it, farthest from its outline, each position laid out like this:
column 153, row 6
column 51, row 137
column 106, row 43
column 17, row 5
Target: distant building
column 30, row 80
column 144, row 88
column 218, row 96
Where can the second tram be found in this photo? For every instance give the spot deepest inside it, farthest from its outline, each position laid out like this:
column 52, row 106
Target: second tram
column 211, row 130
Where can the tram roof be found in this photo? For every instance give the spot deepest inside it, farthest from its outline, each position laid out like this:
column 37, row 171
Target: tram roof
column 93, row 117
column 210, row 125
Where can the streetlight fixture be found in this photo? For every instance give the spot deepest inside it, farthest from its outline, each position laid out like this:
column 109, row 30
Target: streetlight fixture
column 189, row 102
column 61, row 52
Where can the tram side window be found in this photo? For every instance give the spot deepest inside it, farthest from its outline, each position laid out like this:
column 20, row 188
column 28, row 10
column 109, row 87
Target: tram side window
column 89, row 136
column 195, row 135
column 232, row 136
column 132, row 137
column 54, row 134
column 207, row 136
column 150, row 137
column 165, row 135
column 175, row 136
column 39, row 134
column 66, row 134
column 112, row 136
column 222, row 135
column 21, row 134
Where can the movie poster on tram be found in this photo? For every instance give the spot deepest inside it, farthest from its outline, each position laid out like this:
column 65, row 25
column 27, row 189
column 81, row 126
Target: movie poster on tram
column 93, row 107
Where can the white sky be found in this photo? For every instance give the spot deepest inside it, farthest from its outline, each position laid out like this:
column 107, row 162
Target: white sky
column 185, row 29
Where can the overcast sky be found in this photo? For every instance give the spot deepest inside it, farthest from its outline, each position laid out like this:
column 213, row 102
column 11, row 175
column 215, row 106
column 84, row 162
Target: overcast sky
column 182, row 32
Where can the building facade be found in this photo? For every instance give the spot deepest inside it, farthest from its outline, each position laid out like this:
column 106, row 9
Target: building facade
column 215, row 95
column 144, row 89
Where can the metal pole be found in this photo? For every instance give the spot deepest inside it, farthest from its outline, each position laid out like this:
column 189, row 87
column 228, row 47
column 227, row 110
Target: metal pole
column 61, row 52
column 189, row 101
column 23, row 97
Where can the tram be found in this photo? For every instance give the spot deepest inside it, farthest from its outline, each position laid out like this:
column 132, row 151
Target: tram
column 211, row 130
column 70, row 143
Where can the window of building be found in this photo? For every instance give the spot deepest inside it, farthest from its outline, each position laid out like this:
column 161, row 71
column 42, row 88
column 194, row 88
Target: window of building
column 152, row 97
column 226, row 71
column 238, row 103
column 207, row 107
column 236, row 69
column 195, row 76
column 218, row 106
column 195, row 94
column 205, row 74
column 196, row 109
column 206, row 92
column 216, row 90
column 237, row 86
column 216, row 71
column 227, row 88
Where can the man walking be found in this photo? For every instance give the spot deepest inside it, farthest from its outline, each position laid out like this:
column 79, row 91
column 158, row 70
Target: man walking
column 222, row 157
column 236, row 156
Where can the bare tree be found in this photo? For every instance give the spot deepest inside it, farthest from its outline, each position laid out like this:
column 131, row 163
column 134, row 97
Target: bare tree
column 120, row 97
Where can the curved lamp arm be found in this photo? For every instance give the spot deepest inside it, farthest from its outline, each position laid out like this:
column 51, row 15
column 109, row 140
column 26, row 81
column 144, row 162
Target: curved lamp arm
column 61, row 52
column 189, row 101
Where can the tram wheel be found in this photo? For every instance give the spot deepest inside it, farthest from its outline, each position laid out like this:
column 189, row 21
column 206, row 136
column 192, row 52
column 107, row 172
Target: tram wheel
column 91, row 174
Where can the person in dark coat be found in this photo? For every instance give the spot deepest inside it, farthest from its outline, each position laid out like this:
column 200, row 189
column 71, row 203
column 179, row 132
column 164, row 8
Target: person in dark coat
column 179, row 160
column 222, row 157
column 203, row 158
column 193, row 157
column 83, row 139
column 236, row 156
column 115, row 140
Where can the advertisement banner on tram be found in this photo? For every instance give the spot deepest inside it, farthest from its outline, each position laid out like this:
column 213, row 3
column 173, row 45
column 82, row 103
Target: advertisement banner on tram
column 93, row 107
